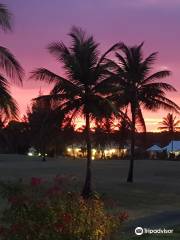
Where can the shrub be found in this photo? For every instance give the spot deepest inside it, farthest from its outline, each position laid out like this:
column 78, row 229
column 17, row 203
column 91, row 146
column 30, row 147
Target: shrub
column 40, row 211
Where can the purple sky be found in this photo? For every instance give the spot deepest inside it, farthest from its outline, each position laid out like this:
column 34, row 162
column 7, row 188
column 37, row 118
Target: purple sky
column 39, row 22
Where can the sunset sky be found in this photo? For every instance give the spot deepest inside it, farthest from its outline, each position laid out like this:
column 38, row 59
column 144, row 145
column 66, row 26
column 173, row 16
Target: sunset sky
column 39, row 22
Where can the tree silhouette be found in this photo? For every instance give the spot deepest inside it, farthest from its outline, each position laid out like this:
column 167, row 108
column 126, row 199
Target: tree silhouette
column 170, row 125
column 82, row 91
column 10, row 67
column 45, row 126
column 5, row 18
column 139, row 88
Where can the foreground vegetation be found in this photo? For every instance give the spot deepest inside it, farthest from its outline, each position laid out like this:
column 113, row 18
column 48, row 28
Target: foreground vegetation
column 45, row 211
column 156, row 187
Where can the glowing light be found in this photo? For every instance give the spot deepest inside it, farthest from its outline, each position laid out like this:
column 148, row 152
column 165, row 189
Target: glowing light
column 30, row 154
column 106, row 151
column 112, row 150
column 93, row 158
column 69, row 149
column 77, row 149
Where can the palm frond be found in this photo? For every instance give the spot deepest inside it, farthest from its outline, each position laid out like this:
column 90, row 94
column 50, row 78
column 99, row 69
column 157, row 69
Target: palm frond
column 172, row 105
column 10, row 65
column 161, row 86
column 140, row 120
column 78, row 36
column 163, row 128
column 122, row 61
column 59, row 50
column 111, row 49
column 44, row 74
column 67, row 89
column 149, row 61
column 161, row 102
column 8, row 105
column 156, row 76
column 5, row 18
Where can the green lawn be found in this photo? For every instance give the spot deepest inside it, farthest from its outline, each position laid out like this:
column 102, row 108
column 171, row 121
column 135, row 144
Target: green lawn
column 156, row 187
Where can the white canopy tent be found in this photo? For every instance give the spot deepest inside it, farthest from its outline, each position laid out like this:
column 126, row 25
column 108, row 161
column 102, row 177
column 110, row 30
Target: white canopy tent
column 155, row 148
column 173, row 146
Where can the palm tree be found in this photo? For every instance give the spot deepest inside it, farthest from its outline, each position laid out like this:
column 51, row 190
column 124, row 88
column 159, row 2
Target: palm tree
column 11, row 68
column 82, row 91
column 171, row 125
column 139, row 88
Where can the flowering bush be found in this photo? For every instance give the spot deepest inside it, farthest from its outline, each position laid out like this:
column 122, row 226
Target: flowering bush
column 42, row 212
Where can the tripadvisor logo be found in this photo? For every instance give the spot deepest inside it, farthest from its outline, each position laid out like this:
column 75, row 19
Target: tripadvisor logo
column 140, row 231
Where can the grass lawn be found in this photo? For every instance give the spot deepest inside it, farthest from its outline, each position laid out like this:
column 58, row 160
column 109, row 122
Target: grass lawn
column 156, row 187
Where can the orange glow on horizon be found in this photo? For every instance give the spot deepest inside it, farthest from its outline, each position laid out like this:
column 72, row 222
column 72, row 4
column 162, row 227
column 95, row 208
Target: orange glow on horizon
column 152, row 124
column 24, row 97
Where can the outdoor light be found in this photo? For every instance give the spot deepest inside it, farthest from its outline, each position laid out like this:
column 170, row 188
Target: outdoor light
column 77, row 149
column 106, row 151
column 30, row 154
column 112, row 151
column 69, row 149
column 94, row 151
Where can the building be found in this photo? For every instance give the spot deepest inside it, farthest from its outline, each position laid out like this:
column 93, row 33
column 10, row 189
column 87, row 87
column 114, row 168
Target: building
column 108, row 152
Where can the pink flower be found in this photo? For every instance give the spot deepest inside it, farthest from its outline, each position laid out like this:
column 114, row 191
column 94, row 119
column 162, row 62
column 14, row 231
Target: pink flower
column 35, row 181
column 123, row 216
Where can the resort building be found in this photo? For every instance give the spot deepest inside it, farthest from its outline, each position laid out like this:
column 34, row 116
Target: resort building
column 108, row 152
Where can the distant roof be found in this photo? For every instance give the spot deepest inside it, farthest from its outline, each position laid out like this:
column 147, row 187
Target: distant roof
column 172, row 146
column 155, row 148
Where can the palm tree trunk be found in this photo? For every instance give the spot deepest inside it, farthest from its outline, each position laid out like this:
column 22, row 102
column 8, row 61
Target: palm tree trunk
column 172, row 142
column 131, row 166
column 87, row 189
